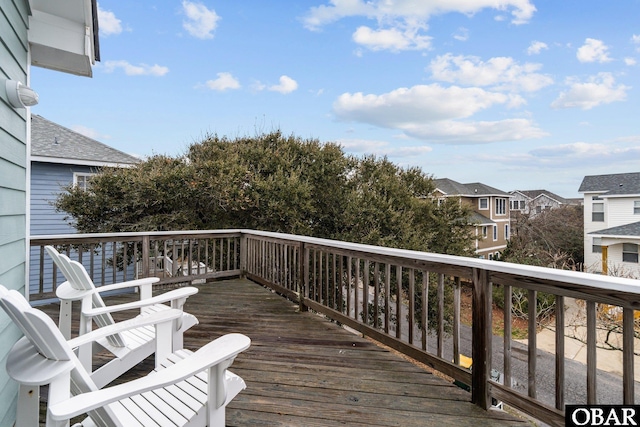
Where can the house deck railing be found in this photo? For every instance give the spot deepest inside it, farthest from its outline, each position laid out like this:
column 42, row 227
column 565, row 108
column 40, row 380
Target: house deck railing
column 434, row 308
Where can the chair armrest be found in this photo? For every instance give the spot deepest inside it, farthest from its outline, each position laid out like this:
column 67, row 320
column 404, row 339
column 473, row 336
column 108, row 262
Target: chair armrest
column 130, row 284
column 136, row 322
column 180, row 293
column 67, row 293
column 28, row 367
column 223, row 348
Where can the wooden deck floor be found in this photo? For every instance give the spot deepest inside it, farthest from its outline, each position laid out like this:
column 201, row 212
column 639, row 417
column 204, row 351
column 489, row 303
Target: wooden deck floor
column 303, row 370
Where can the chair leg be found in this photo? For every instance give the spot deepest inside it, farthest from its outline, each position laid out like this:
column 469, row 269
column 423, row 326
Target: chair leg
column 28, row 411
column 64, row 323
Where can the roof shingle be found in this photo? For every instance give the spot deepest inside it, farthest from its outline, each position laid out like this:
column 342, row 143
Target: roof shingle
column 51, row 140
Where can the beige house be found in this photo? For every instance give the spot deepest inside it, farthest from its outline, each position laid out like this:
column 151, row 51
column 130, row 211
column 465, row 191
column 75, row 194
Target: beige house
column 491, row 213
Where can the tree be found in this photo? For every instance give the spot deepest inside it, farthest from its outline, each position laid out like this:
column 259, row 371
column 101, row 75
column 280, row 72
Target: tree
column 552, row 238
column 276, row 183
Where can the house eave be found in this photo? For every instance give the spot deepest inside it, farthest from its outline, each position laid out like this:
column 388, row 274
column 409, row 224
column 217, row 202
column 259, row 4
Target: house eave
column 63, row 35
column 78, row 162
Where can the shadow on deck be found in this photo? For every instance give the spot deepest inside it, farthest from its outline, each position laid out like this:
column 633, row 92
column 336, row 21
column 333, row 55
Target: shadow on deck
column 303, row 370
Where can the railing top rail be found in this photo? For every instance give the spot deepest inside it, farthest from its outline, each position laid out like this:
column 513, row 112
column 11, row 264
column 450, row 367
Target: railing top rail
column 579, row 279
column 616, row 284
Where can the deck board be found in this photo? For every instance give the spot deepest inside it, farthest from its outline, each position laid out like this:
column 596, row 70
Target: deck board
column 304, row 370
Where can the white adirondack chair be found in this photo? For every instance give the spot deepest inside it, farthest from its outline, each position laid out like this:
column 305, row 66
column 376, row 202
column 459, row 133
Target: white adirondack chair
column 186, row 389
column 129, row 347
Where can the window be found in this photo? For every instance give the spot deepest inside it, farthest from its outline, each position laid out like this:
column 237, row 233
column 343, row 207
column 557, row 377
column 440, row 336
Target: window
column 630, row 252
column 506, row 231
column 82, row 179
column 440, row 201
column 483, row 203
column 596, row 246
column 521, row 205
column 636, row 207
column 501, row 206
column 597, row 212
column 484, row 231
column 496, row 256
column 538, row 209
column 490, row 256
column 495, row 232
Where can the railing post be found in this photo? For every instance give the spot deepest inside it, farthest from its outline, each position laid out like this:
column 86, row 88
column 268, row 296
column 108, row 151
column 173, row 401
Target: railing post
column 243, row 255
column 481, row 339
column 303, row 278
column 146, row 244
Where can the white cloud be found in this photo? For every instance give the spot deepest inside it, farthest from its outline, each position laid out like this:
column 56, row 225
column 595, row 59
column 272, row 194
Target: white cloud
column 108, row 23
column 500, row 73
column 411, row 10
column 597, row 90
column 630, row 61
column 462, row 34
column 393, row 39
column 435, row 113
column 286, row 85
column 593, row 50
column 382, row 148
column 536, row 47
column 223, row 82
column 401, row 23
column 135, row 70
column 201, row 22
column 635, row 39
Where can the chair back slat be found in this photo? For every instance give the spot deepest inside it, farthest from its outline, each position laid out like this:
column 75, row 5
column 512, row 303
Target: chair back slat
column 79, row 279
column 36, row 326
column 43, row 333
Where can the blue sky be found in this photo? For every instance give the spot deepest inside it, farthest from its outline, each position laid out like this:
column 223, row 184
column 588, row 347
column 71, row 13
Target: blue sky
column 516, row 94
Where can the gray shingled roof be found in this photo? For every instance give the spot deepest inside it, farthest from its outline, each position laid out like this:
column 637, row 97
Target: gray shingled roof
column 452, row 188
column 611, row 185
column 51, row 140
column 632, row 229
column 532, row 194
column 479, row 219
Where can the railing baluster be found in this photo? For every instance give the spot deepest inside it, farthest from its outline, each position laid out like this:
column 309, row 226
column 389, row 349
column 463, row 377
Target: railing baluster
column 440, row 314
column 398, row 301
column 376, row 296
column 425, row 309
column 456, row 321
column 387, row 290
column 628, row 356
column 412, row 303
column 508, row 319
column 591, row 353
column 349, row 286
column 365, row 293
column 559, row 352
column 532, row 359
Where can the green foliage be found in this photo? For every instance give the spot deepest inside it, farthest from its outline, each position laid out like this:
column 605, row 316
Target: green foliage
column 275, row 183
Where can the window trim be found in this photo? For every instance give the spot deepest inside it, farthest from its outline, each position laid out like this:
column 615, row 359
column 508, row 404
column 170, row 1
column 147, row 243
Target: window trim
column 636, row 207
column 630, row 253
column 495, row 233
column 596, row 245
column 594, row 212
column 501, row 206
column 486, row 200
column 85, row 176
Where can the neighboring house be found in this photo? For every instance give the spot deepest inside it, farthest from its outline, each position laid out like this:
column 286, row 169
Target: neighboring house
column 61, row 157
column 61, row 35
column 533, row 202
column 491, row 213
column 612, row 223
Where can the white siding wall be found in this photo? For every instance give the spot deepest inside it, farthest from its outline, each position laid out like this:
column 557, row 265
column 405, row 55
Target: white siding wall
column 13, row 184
column 621, row 211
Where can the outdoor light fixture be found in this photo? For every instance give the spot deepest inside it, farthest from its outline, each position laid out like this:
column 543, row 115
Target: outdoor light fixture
column 19, row 95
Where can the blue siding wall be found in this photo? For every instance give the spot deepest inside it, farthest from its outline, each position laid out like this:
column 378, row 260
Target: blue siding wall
column 13, row 184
